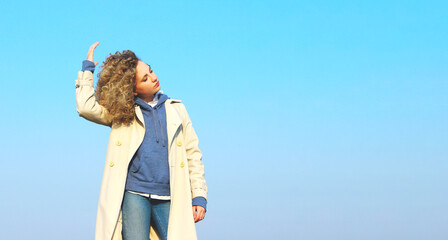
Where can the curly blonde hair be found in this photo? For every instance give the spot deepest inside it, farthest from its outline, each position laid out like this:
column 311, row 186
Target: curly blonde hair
column 116, row 84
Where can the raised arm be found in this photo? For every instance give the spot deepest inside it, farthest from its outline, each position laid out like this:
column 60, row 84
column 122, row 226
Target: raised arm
column 86, row 103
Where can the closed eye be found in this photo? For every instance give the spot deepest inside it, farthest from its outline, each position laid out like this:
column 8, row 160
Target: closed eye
column 145, row 78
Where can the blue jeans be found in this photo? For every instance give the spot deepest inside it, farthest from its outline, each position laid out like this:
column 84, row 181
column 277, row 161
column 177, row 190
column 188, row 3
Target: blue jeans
column 137, row 213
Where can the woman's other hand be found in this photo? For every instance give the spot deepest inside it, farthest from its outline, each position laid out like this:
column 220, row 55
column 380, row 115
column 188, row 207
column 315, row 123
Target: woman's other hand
column 90, row 53
column 198, row 213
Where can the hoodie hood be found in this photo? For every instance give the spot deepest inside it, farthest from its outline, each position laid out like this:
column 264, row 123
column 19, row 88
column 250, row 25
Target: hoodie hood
column 159, row 97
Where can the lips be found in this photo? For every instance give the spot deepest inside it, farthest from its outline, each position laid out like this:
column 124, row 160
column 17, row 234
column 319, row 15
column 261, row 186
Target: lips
column 157, row 84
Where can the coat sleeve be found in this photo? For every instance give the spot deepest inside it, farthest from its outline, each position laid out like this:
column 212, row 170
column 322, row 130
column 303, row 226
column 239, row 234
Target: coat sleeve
column 194, row 157
column 86, row 103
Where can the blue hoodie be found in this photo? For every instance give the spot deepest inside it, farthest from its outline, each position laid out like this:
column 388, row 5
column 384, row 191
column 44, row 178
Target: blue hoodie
column 149, row 169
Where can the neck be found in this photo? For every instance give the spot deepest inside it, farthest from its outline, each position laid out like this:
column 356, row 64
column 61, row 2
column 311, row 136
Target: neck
column 147, row 98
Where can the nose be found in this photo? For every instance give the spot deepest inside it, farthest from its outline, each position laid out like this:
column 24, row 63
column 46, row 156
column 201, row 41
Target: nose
column 153, row 78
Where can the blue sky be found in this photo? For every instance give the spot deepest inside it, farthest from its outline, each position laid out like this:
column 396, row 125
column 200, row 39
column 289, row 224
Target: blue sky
column 317, row 119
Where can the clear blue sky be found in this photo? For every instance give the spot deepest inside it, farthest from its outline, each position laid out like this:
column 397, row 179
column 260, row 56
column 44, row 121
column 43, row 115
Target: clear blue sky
column 317, row 119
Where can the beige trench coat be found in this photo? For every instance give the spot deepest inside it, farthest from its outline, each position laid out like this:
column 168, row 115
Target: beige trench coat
column 186, row 168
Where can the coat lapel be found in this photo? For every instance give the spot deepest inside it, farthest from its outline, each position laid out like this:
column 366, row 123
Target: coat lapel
column 139, row 114
column 173, row 119
column 137, row 131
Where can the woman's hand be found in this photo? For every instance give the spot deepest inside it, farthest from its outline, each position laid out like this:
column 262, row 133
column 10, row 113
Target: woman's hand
column 90, row 53
column 198, row 213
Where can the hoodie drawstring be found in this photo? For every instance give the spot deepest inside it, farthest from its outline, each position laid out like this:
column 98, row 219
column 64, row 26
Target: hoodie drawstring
column 154, row 124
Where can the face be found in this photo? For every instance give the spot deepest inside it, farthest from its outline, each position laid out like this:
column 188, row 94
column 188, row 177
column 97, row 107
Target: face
column 147, row 83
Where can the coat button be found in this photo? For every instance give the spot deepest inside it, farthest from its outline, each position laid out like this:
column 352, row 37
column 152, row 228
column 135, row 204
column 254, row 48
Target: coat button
column 182, row 164
column 118, row 143
column 111, row 164
column 179, row 143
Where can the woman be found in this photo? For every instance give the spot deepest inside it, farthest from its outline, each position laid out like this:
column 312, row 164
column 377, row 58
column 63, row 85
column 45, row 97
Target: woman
column 125, row 85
